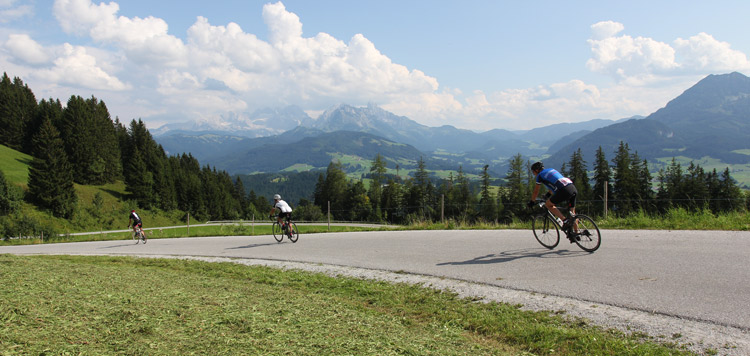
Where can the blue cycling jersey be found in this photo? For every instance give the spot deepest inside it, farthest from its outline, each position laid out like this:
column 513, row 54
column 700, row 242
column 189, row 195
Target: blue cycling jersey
column 552, row 179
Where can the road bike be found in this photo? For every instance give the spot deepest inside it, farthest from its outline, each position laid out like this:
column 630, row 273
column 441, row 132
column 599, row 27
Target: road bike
column 287, row 228
column 139, row 235
column 583, row 230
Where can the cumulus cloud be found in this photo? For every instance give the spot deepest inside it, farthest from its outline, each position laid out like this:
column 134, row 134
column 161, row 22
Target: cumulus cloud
column 625, row 56
column 215, row 68
column 75, row 67
column 145, row 41
column 25, row 49
column 642, row 60
column 703, row 52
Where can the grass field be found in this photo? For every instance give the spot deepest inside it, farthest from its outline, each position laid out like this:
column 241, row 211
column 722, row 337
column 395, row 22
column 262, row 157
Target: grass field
column 118, row 305
column 15, row 165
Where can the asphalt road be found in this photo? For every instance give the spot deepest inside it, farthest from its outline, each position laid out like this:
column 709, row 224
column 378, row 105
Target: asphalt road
column 696, row 275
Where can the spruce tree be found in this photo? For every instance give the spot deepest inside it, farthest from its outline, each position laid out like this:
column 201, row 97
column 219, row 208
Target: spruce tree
column 377, row 176
column 50, row 175
column 602, row 178
column 9, row 196
column 517, row 186
column 17, row 108
column 623, row 189
column 579, row 175
column 487, row 203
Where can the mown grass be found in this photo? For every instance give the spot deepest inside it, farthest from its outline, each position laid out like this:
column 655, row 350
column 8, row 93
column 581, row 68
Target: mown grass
column 122, row 305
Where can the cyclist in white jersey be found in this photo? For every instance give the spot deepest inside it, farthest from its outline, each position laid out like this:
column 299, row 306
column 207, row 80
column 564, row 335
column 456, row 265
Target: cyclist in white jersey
column 285, row 211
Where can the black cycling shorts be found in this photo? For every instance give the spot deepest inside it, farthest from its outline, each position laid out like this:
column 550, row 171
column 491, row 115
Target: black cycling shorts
column 568, row 192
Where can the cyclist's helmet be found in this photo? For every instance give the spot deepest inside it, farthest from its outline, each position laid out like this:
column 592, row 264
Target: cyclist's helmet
column 537, row 166
column 132, row 211
column 276, row 197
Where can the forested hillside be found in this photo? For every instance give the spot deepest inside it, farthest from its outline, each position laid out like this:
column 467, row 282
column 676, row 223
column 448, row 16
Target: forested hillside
column 80, row 144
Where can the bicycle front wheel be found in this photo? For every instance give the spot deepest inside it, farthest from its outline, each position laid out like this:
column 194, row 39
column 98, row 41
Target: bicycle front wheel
column 545, row 231
column 588, row 237
column 136, row 237
column 276, row 229
column 294, row 234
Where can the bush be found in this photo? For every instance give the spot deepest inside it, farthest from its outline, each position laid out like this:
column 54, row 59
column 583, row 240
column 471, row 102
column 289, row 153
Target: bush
column 22, row 226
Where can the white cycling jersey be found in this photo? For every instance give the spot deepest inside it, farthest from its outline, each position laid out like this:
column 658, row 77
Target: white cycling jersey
column 283, row 206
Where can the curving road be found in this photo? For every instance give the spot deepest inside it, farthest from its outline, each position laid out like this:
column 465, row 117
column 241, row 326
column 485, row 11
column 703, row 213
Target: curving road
column 696, row 275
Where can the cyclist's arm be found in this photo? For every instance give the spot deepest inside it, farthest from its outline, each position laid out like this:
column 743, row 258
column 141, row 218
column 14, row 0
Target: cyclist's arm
column 536, row 192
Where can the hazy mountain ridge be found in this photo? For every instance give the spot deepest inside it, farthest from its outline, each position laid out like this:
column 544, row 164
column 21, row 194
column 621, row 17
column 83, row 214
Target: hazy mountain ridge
column 708, row 119
column 318, row 151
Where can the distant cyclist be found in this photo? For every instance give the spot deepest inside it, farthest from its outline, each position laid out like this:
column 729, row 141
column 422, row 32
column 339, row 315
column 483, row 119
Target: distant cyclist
column 285, row 211
column 137, row 222
column 560, row 188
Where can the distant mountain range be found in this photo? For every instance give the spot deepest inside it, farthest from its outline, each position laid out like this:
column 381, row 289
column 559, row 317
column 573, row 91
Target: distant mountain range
column 711, row 119
column 444, row 146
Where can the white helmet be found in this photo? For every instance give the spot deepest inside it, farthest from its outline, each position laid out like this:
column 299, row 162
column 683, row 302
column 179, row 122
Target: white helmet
column 276, row 197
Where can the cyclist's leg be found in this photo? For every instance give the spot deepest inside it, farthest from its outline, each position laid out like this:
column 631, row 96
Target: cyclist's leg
column 551, row 202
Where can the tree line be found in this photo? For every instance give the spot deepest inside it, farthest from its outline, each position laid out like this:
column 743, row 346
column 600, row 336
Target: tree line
column 625, row 184
column 80, row 143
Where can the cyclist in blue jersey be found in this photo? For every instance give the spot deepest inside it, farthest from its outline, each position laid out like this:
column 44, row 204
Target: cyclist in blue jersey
column 560, row 189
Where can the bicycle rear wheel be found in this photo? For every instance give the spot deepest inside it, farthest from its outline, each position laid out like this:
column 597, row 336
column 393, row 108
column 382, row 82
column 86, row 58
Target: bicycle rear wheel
column 588, row 237
column 276, row 229
column 545, row 231
column 143, row 236
column 294, row 234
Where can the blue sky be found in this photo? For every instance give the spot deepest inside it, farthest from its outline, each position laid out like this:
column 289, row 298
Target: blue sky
column 471, row 64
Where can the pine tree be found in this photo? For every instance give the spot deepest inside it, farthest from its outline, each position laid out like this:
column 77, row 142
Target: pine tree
column 517, row 186
column 730, row 195
column 9, row 196
column 579, row 175
column 487, row 203
column 602, row 178
column 377, row 176
column 50, row 174
column 138, row 181
column 17, row 109
column 335, row 190
column 623, row 189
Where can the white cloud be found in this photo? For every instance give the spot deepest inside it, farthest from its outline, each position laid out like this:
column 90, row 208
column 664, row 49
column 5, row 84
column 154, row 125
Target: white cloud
column 605, row 29
column 145, row 41
column 76, row 68
column 79, row 16
column 25, row 49
column 10, row 13
column 641, row 61
column 221, row 68
column 704, row 53
column 625, row 56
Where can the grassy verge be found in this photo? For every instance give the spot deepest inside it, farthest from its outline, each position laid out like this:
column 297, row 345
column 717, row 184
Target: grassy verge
column 119, row 305
column 674, row 219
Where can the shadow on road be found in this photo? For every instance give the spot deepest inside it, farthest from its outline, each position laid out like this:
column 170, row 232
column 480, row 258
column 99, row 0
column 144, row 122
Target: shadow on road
column 255, row 245
column 116, row 246
column 507, row 256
